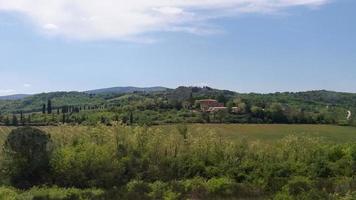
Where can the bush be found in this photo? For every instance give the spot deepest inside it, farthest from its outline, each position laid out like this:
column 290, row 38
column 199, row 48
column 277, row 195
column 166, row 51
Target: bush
column 149, row 163
column 86, row 165
column 221, row 186
column 28, row 151
column 8, row 193
column 137, row 189
column 196, row 188
column 53, row 193
column 298, row 185
column 161, row 190
column 64, row 194
column 158, row 189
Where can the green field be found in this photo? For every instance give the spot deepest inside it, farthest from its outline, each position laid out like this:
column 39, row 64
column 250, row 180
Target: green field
column 251, row 132
column 247, row 161
column 272, row 132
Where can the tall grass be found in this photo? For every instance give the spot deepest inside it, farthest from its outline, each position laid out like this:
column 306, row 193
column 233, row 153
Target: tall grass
column 139, row 162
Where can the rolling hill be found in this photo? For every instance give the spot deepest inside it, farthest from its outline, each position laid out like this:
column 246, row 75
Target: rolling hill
column 123, row 90
column 14, row 97
column 315, row 102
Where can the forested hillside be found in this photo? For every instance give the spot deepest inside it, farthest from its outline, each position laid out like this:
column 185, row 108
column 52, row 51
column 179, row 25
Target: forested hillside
column 34, row 103
column 161, row 106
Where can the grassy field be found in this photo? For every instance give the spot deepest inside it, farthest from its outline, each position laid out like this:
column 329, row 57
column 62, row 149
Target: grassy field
column 272, row 132
column 251, row 132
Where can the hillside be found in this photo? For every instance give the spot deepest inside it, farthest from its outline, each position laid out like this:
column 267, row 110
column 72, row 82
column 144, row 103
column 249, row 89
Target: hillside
column 122, row 90
column 318, row 97
column 14, row 97
column 158, row 105
column 34, row 103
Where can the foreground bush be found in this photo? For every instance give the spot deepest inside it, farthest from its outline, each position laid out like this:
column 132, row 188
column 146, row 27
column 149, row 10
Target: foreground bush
column 53, row 193
column 146, row 163
column 27, row 152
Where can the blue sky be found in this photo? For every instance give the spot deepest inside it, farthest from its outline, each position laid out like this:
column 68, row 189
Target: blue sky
column 239, row 45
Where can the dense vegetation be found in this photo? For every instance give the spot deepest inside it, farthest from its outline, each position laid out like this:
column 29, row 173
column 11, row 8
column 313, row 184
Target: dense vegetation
column 104, row 146
column 132, row 162
column 179, row 106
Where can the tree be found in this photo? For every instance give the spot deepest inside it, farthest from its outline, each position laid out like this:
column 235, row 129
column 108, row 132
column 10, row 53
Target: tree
column 183, row 130
column 221, row 115
column 229, row 106
column 131, row 118
column 222, row 99
column 65, row 109
column 63, row 118
column 242, row 107
column 15, row 121
column 205, row 116
column 257, row 112
column 49, row 107
column 7, row 121
column 43, row 108
column 191, row 99
column 277, row 113
column 27, row 150
column 22, row 119
column 29, row 119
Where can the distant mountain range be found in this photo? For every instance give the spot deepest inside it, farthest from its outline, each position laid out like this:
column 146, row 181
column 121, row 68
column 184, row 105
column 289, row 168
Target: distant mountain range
column 112, row 90
column 121, row 90
column 317, row 100
column 14, row 97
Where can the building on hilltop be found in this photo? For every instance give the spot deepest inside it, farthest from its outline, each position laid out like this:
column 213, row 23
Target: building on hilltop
column 205, row 104
column 212, row 105
column 217, row 109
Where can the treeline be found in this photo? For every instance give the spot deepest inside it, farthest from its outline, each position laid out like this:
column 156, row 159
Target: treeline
column 50, row 115
column 143, row 163
column 179, row 106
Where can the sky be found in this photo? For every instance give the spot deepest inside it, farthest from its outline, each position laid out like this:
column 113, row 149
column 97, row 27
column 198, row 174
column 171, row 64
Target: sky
column 241, row 45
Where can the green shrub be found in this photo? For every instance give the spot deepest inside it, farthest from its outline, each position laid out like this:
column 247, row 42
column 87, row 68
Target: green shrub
column 85, row 165
column 196, row 188
column 137, row 189
column 8, row 193
column 221, row 186
column 53, row 193
column 298, row 185
column 56, row 193
column 158, row 189
column 28, row 151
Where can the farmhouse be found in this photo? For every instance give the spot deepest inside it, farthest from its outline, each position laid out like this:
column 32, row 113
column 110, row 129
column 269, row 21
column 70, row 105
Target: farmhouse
column 212, row 105
column 206, row 104
column 216, row 109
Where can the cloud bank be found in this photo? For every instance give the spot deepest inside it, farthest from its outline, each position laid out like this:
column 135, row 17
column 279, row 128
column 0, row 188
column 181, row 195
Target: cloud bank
column 124, row 19
column 6, row 91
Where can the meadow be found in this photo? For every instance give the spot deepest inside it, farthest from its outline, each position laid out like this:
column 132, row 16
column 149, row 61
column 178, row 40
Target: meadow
column 274, row 132
column 176, row 162
column 235, row 132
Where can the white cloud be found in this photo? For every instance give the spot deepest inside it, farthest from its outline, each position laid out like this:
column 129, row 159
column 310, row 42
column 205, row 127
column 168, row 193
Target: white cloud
column 26, row 85
column 125, row 19
column 6, row 91
column 50, row 27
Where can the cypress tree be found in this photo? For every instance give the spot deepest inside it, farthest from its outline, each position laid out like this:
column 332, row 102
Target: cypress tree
column 131, row 118
column 7, row 121
column 44, row 109
column 15, row 121
column 29, row 119
column 22, row 119
column 49, row 107
column 63, row 118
